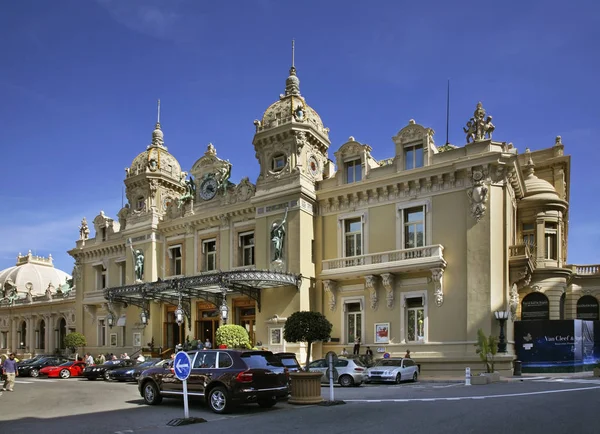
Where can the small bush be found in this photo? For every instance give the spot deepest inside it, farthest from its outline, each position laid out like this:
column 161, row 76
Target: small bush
column 75, row 340
column 234, row 336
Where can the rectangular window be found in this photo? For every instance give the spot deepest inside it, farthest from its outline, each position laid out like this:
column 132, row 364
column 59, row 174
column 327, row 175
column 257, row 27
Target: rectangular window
column 415, row 318
column 414, row 227
column 246, row 244
column 353, row 171
column 209, row 249
column 175, row 261
column 353, row 238
column 102, row 332
column 529, row 235
column 551, row 238
column 123, row 273
column 353, row 322
column 413, row 157
column 100, row 277
column 4, row 340
column 278, row 163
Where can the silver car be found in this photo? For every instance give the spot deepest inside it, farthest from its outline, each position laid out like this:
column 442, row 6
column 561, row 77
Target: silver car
column 396, row 370
column 347, row 372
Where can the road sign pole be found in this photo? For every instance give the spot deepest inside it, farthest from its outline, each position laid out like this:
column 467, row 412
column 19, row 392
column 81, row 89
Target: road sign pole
column 186, row 409
column 331, row 377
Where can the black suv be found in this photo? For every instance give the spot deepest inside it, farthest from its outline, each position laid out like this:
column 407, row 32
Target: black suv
column 223, row 378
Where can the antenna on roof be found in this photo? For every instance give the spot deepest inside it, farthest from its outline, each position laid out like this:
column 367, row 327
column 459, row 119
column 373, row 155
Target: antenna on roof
column 293, row 52
column 158, row 117
column 447, row 111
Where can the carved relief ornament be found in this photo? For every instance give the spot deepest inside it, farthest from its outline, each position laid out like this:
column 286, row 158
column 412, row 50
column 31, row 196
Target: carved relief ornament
column 437, row 275
column 387, row 280
column 370, row 282
column 478, row 192
column 329, row 287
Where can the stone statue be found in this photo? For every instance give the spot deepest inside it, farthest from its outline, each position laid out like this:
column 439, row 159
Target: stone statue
column 278, row 237
column 190, row 192
column 84, row 230
column 65, row 288
column 478, row 193
column 223, row 174
column 10, row 293
column 478, row 127
column 138, row 262
column 49, row 291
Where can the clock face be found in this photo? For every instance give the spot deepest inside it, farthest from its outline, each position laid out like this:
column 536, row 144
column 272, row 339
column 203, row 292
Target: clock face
column 313, row 165
column 208, row 188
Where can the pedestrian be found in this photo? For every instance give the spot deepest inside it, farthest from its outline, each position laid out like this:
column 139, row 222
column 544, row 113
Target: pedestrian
column 369, row 352
column 356, row 346
column 10, row 371
column 344, row 352
column 89, row 360
column 125, row 356
column 407, row 355
column 207, row 344
column 101, row 359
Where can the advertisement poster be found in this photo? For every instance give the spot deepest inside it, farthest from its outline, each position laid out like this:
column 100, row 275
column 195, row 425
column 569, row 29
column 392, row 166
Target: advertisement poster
column 555, row 346
column 535, row 306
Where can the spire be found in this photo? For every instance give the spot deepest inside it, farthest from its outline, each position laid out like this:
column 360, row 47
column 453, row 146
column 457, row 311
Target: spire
column 292, row 84
column 529, row 167
column 157, row 134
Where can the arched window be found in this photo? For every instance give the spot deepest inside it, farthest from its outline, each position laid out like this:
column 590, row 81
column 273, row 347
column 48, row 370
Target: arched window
column 23, row 337
column 41, row 344
column 587, row 308
column 62, row 332
column 535, row 306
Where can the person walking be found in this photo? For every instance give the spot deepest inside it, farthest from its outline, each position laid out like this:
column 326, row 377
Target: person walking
column 356, row 350
column 207, row 344
column 89, row 360
column 9, row 369
column 407, row 355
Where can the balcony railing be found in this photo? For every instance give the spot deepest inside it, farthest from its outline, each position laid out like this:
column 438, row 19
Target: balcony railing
column 522, row 251
column 586, row 270
column 408, row 258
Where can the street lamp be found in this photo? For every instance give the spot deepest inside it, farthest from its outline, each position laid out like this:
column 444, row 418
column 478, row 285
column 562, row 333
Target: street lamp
column 144, row 317
column 110, row 319
column 224, row 311
column 501, row 316
column 179, row 315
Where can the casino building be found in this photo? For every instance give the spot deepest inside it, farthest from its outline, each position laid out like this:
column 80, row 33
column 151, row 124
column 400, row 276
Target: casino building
column 416, row 251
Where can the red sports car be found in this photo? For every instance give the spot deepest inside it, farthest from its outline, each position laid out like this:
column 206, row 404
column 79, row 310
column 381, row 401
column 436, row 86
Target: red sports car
column 66, row 370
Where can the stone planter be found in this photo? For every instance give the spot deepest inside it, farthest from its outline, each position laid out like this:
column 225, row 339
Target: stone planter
column 596, row 372
column 306, row 388
column 492, row 377
column 480, row 380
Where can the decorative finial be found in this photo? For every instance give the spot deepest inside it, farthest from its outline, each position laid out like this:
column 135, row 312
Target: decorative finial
column 293, row 52
column 530, row 167
column 478, row 127
column 292, row 84
column 558, row 141
column 158, row 116
column 157, row 134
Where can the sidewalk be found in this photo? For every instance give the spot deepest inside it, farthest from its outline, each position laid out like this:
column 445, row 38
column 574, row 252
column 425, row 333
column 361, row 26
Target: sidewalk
column 425, row 378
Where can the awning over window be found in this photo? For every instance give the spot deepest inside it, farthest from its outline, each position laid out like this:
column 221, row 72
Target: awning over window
column 121, row 321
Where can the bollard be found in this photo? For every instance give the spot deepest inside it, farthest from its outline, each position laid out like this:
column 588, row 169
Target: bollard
column 467, row 376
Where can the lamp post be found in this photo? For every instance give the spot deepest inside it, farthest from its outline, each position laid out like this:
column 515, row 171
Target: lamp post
column 110, row 319
column 501, row 316
column 224, row 311
column 144, row 317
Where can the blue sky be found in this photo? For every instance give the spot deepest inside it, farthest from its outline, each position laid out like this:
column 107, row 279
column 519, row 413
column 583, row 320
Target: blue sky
column 79, row 80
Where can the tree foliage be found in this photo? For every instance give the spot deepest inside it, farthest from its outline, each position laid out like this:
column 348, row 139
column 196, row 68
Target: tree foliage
column 307, row 326
column 234, row 336
column 487, row 348
column 75, row 340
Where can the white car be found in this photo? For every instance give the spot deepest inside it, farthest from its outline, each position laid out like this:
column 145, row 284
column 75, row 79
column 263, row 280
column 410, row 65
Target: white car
column 346, row 372
column 396, row 370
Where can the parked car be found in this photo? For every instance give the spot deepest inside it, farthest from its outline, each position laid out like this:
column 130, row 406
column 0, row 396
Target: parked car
column 223, row 378
column 289, row 361
column 33, row 369
column 393, row 369
column 33, row 359
column 346, row 372
column 102, row 371
column 65, row 370
column 132, row 373
column 367, row 361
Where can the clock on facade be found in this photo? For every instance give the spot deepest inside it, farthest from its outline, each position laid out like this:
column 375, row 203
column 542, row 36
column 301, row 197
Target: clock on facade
column 313, row 165
column 208, row 188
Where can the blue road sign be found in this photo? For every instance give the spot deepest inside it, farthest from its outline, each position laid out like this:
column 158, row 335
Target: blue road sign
column 182, row 365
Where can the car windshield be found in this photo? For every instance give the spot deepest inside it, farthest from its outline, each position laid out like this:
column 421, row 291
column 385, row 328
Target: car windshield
column 148, row 363
column 289, row 362
column 385, row 362
column 67, row 364
column 112, row 363
column 260, row 360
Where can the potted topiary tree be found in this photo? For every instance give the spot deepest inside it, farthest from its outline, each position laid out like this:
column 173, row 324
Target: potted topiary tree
column 232, row 336
column 487, row 348
column 309, row 327
column 75, row 340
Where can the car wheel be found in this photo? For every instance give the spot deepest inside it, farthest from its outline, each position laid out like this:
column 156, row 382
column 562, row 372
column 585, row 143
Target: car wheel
column 107, row 376
column 267, row 402
column 65, row 373
column 34, row 373
column 398, row 379
column 151, row 394
column 346, row 381
column 415, row 377
column 218, row 400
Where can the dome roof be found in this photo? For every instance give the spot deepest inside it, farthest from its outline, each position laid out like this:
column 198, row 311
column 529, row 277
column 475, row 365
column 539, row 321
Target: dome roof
column 156, row 158
column 291, row 107
column 33, row 272
column 534, row 186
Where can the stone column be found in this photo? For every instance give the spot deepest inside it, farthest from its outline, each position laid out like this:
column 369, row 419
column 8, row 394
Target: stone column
column 47, row 333
column 554, row 295
column 51, row 335
column 13, row 336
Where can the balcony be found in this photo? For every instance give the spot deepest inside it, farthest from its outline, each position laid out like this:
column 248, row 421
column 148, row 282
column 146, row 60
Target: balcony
column 416, row 259
column 520, row 255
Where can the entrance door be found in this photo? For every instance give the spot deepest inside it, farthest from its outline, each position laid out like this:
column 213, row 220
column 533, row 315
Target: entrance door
column 248, row 321
column 174, row 334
